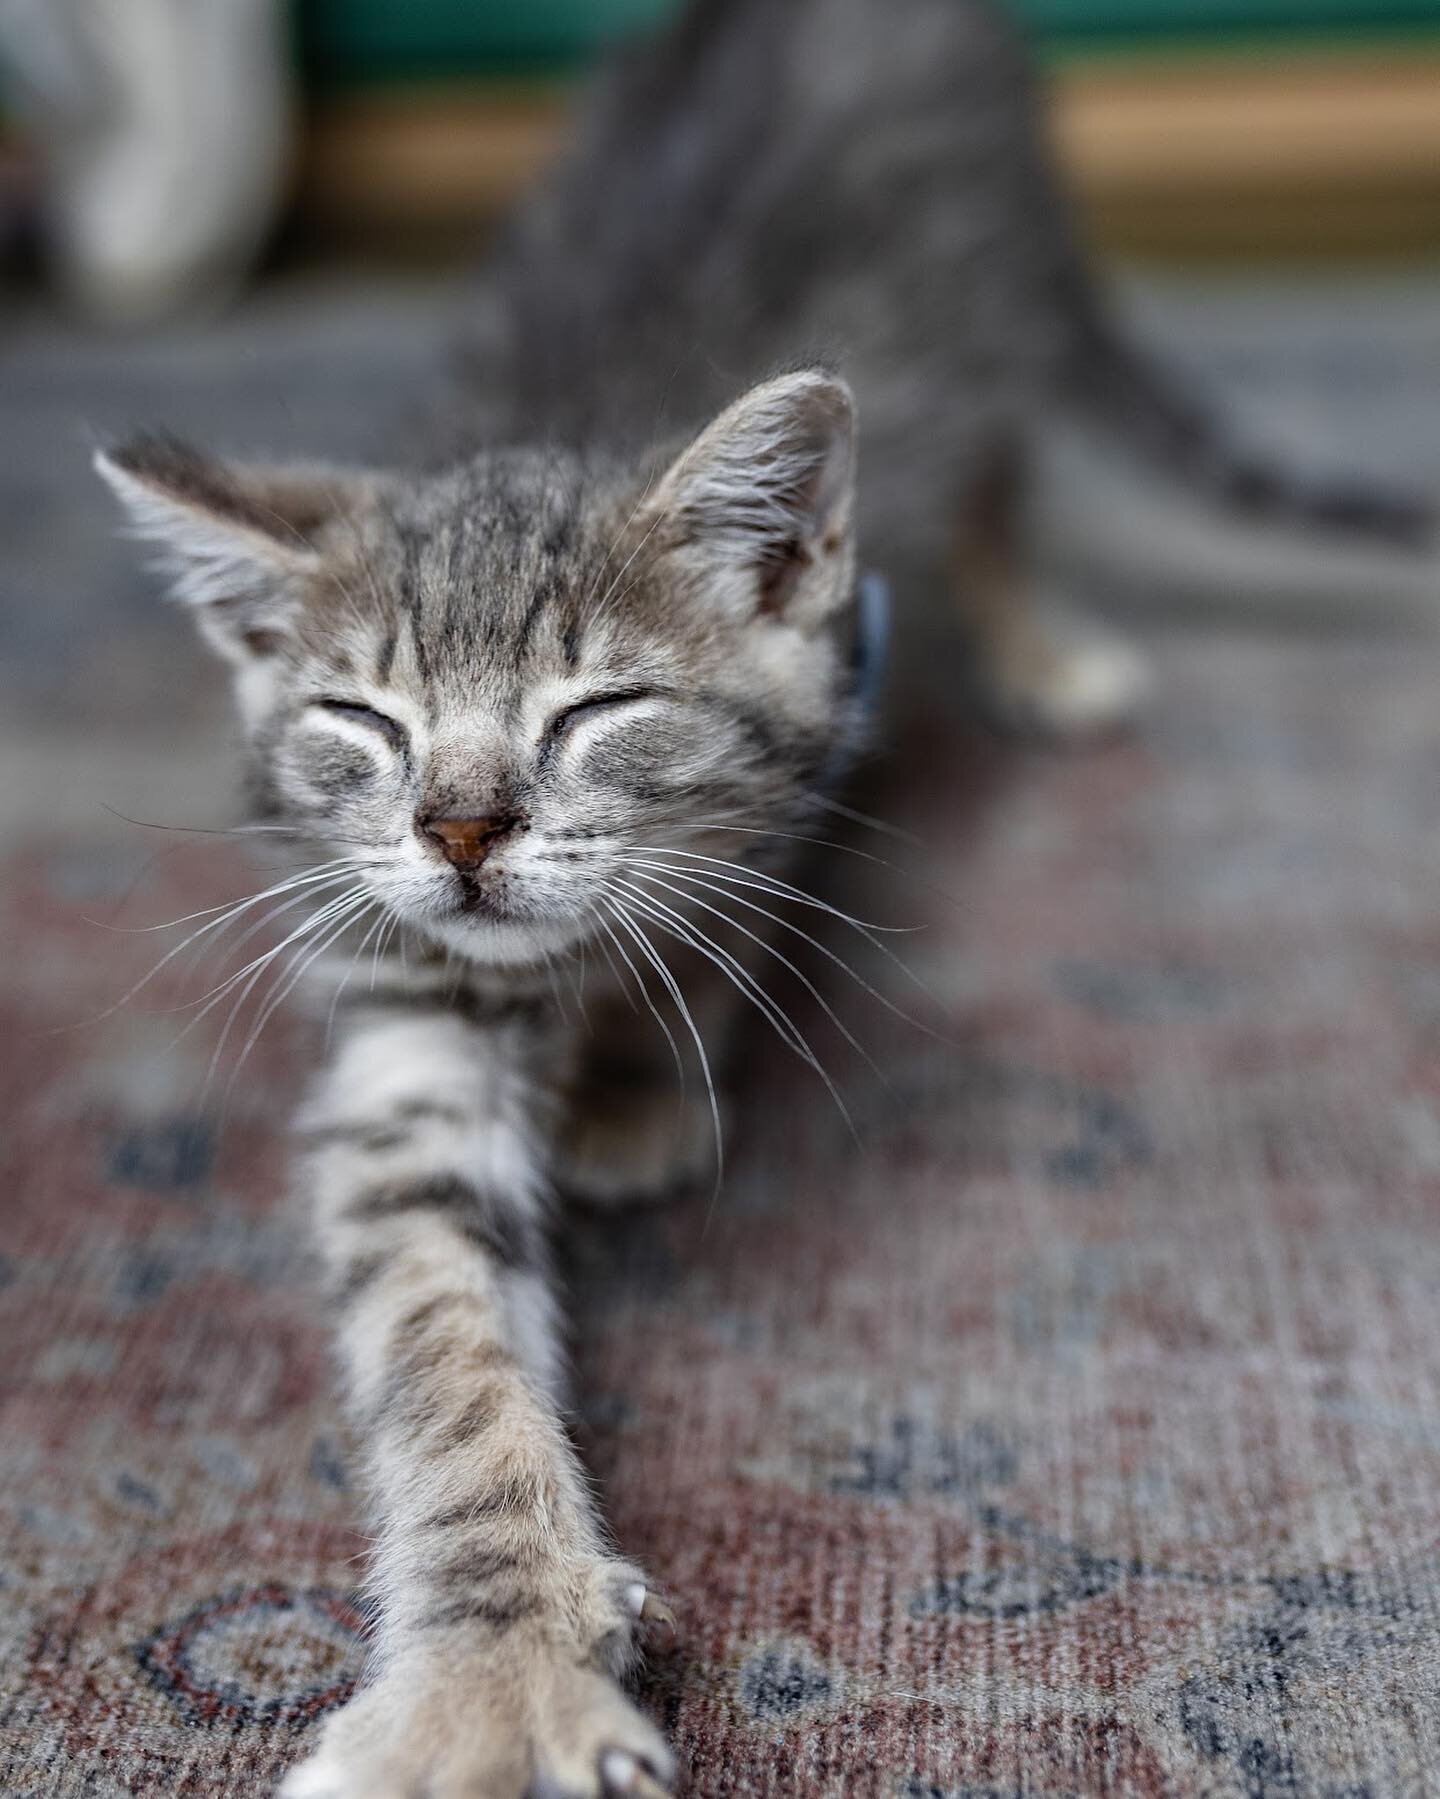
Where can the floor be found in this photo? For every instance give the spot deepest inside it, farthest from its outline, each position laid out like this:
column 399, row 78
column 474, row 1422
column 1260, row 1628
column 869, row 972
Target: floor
column 1076, row 1431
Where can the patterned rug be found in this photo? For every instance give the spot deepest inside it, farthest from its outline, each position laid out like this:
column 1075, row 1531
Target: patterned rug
column 1070, row 1428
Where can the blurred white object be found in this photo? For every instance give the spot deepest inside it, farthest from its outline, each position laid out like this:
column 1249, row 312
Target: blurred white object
column 163, row 127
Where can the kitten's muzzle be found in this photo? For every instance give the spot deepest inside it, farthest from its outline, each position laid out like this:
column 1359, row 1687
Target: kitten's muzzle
column 466, row 842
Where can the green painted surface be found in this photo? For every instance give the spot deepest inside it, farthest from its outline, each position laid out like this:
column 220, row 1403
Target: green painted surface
column 378, row 40
column 1102, row 18
column 394, row 39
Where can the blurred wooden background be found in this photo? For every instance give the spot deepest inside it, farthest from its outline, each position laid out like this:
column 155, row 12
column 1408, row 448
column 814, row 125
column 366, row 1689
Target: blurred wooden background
column 1316, row 154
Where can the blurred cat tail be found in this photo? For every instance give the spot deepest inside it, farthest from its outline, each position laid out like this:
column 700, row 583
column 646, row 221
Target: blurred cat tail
column 1148, row 495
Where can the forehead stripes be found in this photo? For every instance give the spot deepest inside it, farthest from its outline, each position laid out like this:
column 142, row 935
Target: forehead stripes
column 494, row 561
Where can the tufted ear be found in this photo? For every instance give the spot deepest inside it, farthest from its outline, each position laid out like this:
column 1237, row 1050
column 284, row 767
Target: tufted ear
column 237, row 543
column 759, row 508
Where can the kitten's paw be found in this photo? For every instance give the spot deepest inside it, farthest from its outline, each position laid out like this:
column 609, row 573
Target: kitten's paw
column 636, row 1146
column 526, row 1716
column 1073, row 689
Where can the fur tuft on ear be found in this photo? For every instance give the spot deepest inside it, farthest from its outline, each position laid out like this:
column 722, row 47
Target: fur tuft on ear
column 236, row 544
column 760, row 505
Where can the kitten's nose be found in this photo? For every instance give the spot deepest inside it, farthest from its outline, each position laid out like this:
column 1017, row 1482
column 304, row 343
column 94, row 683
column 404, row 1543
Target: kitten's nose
column 466, row 842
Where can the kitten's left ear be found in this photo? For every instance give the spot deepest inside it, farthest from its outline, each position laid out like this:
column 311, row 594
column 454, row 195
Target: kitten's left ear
column 238, row 544
column 759, row 508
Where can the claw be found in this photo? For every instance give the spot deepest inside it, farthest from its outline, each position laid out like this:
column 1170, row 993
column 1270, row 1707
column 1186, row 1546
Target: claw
column 647, row 1787
column 624, row 1774
column 618, row 1770
column 655, row 1611
column 651, row 1612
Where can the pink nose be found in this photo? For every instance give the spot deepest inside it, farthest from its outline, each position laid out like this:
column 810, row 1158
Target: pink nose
column 466, row 842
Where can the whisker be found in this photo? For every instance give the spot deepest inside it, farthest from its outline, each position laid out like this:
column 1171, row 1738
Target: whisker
column 635, row 511
column 294, row 973
column 614, row 968
column 313, row 879
column 374, row 931
column 650, row 531
column 258, row 925
column 779, row 955
column 255, row 969
column 149, row 824
column 382, row 944
column 645, row 995
column 697, row 880
column 623, row 916
column 842, row 849
column 169, row 924
column 784, row 890
column 615, row 543
column 772, row 884
column 339, row 909
column 746, row 984
column 554, row 980
column 245, row 830
column 857, row 817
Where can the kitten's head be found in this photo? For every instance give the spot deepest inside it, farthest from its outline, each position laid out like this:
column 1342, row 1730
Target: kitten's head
column 496, row 686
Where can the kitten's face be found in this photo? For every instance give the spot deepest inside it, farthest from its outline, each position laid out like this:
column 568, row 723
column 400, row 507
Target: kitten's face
column 499, row 690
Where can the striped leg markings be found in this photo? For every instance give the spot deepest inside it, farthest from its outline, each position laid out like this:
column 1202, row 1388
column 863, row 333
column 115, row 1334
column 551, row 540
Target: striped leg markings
column 504, row 1615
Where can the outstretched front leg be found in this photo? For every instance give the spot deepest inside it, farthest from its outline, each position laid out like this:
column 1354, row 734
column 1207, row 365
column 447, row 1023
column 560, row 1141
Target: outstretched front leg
column 505, row 1619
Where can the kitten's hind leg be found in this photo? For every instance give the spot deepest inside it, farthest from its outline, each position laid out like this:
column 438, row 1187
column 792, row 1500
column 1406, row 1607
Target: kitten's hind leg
column 640, row 1123
column 1040, row 666
column 647, row 1117
column 636, row 1141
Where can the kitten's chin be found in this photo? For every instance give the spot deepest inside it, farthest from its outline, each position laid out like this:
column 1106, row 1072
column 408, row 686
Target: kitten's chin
column 506, row 943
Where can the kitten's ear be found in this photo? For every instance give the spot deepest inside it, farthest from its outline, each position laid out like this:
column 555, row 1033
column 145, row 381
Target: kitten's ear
column 759, row 507
column 236, row 543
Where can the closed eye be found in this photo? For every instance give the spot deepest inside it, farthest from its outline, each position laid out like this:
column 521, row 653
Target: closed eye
column 358, row 713
column 563, row 720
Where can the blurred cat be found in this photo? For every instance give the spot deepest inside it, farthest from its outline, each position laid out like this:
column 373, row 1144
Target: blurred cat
column 871, row 185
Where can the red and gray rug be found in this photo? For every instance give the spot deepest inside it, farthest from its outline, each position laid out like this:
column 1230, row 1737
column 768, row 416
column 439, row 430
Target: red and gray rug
column 1077, row 1433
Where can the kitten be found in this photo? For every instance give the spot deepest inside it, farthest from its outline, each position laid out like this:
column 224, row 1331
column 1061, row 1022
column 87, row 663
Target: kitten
column 534, row 699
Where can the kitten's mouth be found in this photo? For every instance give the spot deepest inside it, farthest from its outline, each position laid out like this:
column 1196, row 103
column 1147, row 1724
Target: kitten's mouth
column 482, row 926
column 478, row 899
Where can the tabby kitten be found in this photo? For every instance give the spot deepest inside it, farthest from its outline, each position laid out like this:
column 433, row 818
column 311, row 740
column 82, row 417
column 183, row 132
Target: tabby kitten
column 522, row 705
column 530, row 703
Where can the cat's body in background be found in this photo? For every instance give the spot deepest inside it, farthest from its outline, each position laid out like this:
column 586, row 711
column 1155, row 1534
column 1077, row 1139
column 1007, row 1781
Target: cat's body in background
column 872, row 183
column 572, row 690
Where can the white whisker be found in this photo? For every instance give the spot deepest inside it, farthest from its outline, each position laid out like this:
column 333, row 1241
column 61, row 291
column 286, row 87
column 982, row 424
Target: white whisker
column 614, row 968
column 374, row 931
column 745, row 983
column 645, row 995
column 255, row 969
column 778, row 889
column 856, row 817
column 266, row 919
column 779, row 956
column 312, row 878
column 294, row 973
column 623, row 915
column 691, row 878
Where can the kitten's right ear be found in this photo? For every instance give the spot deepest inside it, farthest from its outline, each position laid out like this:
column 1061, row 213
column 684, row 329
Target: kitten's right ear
column 235, row 543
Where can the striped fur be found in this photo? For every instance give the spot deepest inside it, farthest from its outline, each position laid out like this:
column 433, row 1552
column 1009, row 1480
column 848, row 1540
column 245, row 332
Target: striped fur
column 505, row 1616
column 632, row 662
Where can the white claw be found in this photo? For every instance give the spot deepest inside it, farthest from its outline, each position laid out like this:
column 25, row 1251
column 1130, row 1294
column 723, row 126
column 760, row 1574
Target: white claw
column 618, row 1769
column 635, row 1597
